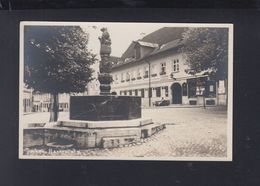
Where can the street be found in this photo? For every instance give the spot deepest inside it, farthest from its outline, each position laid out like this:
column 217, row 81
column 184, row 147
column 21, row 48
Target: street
column 190, row 132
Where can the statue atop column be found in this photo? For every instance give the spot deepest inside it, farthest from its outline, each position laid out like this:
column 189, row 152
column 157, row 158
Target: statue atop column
column 105, row 65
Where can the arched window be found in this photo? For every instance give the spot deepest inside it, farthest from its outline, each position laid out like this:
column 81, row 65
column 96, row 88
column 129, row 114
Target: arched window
column 184, row 89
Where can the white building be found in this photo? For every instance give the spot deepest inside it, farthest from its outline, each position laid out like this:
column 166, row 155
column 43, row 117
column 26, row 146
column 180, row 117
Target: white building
column 156, row 62
column 42, row 102
column 27, row 100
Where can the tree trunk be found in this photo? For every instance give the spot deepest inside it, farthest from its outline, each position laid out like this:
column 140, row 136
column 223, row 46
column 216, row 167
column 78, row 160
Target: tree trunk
column 54, row 107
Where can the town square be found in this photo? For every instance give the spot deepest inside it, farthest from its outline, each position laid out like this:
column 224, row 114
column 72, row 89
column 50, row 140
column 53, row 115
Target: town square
column 115, row 91
column 201, row 133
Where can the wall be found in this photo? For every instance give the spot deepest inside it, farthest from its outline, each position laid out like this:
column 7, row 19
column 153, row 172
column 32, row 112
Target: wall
column 156, row 80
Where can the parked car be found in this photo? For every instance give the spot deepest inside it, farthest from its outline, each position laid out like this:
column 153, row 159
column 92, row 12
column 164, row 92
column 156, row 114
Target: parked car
column 162, row 103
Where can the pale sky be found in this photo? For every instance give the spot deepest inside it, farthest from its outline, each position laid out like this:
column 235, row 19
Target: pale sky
column 121, row 34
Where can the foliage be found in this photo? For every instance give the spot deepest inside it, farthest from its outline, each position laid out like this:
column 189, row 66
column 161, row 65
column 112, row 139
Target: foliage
column 57, row 59
column 206, row 50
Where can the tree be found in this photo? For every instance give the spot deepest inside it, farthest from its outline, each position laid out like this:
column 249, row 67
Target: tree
column 206, row 50
column 56, row 60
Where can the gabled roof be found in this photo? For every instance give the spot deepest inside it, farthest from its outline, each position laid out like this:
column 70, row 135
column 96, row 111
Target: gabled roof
column 129, row 51
column 164, row 35
column 158, row 37
column 168, row 46
column 161, row 40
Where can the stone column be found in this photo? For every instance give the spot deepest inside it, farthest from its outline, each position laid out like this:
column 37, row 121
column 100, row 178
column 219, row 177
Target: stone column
column 104, row 77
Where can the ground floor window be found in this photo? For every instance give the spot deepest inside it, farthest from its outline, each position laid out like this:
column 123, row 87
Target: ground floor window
column 142, row 93
column 158, row 91
column 221, row 87
column 211, row 89
column 200, row 87
column 192, row 88
column 166, row 91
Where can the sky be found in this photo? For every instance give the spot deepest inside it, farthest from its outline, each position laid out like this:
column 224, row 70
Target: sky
column 121, row 34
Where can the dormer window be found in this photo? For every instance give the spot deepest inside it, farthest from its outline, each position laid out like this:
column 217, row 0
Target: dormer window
column 137, row 52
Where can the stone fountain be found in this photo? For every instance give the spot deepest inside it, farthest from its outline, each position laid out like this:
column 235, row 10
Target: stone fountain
column 103, row 120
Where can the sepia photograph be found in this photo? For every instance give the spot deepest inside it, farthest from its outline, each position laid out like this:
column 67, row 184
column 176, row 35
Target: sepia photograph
column 126, row 91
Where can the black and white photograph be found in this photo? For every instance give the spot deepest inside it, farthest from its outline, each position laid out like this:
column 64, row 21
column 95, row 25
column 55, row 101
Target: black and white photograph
column 126, row 91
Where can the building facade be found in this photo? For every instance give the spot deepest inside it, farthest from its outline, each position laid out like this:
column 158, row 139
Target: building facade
column 42, row 102
column 27, row 100
column 157, row 71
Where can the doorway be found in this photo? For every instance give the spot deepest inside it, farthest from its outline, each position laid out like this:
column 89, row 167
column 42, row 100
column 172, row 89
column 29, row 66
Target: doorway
column 176, row 93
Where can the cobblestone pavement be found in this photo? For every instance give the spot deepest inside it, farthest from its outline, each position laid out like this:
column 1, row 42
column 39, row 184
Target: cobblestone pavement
column 191, row 132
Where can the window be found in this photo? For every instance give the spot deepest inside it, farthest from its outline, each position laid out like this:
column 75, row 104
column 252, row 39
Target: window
column 176, row 66
column 166, row 91
column 158, row 91
column 200, row 89
column 133, row 73
column 211, row 88
column 192, row 88
column 137, row 52
column 125, row 92
column 142, row 93
column 130, row 92
column 163, row 68
column 136, row 92
column 116, row 78
column 221, row 87
column 146, row 94
column 146, row 73
column 122, row 77
column 138, row 73
column 127, row 76
column 153, row 71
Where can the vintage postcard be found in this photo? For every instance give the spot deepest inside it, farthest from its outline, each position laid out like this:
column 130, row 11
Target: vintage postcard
column 126, row 91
